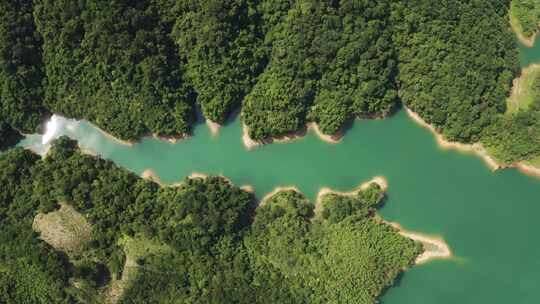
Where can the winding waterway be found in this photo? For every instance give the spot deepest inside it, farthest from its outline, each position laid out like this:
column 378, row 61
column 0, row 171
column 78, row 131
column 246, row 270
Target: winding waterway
column 489, row 219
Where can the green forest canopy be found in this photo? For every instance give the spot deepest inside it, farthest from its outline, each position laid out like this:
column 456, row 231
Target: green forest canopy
column 138, row 68
column 216, row 247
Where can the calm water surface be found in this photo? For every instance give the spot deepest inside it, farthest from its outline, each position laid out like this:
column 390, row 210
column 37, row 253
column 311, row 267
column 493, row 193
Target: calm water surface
column 527, row 55
column 489, row 219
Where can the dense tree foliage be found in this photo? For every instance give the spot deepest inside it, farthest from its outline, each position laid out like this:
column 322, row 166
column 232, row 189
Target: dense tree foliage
column 8, row 136
column 300, row 259
column 21, row 67
column 329, row 62
column 527, row 15
column 218, row 247
column 30, row 270
column 135, row 68
column 113, row 63
column 221, row 42
column 457, row 62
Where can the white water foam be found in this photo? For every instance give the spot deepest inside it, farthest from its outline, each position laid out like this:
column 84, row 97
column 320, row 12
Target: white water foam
column 51, row 129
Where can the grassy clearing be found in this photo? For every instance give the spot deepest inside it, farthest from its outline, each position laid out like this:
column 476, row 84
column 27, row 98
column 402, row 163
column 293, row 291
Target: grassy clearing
column 65, row 229
column 139, row 247
column 135, row 248
column 523, row 93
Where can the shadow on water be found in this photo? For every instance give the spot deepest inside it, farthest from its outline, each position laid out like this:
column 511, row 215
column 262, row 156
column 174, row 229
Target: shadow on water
column 396, row 283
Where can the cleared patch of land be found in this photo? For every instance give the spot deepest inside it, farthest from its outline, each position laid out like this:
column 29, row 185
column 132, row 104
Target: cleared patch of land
column 65, row 229
column 135, row 248
column 523, row 93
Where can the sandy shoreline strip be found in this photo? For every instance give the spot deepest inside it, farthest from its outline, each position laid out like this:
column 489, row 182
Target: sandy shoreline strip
column 517, row 29
column 250, row 143
column 248, row 188
column 477, row 148
column 151, row 175
column 434, row 246
column 198, row 175
column 380, row 180
column 528, row 169
column 213, row 126
column 277, row 190
column 112, row 137
column 131, row 143
column 528, row 42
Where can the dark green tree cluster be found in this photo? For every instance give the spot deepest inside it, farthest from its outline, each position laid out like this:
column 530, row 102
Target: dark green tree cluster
column 222, row 249
column 21, row 67
column 30, row 270
column 8, row 136
column 221, row 43
column 114, row 64
column 329, row 61
column 457, row 61
column 527, row 14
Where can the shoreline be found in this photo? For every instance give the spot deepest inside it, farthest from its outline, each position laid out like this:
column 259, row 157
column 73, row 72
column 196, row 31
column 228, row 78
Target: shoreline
column 151, row 175
column 131, row 143
column 528, row 42
column 213, row 126
column 528, row 169
column 250, row 143
column 379, row 180
column 441, row 251
column 476, row 148
column 170, row 139
column 277, row 190
column 331, row 139
column 516, row 28
column 128, row 143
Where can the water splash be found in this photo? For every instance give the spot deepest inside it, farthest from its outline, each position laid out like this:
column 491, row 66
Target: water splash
column 51, row 129
column 56, row 127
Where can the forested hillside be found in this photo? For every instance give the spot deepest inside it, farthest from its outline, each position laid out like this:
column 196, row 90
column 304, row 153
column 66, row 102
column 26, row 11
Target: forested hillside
column 142, row 68
column 457, row 62
column 21, row 67
column 202, row 241
column 329, row 62
column 114, row 64
column 8, row 136
column 222, row 45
